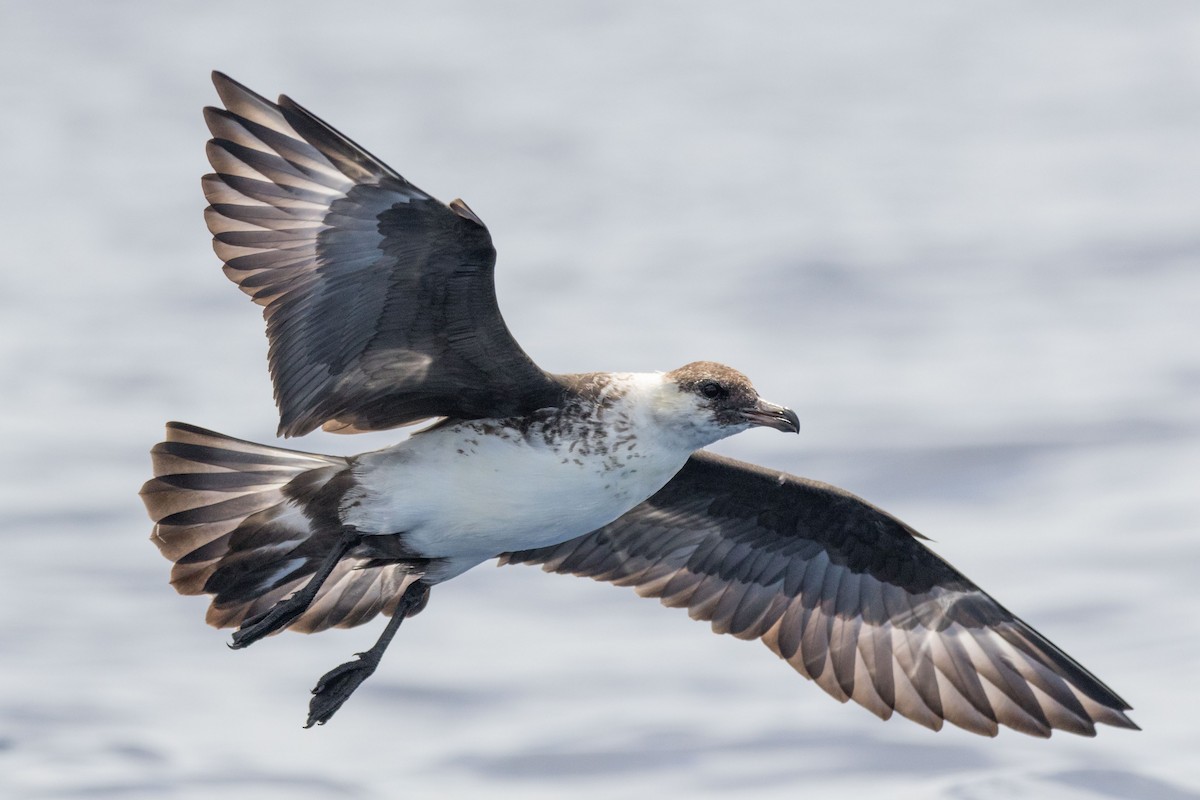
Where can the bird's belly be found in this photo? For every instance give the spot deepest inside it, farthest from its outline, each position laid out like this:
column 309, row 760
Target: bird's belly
column 455, row 496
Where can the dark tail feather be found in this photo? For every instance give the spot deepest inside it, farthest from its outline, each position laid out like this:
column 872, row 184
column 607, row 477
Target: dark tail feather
column 249, row 524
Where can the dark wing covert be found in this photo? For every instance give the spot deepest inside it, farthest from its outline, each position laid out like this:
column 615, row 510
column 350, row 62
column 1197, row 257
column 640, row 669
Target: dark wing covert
column 845, row 594
column 380, row 300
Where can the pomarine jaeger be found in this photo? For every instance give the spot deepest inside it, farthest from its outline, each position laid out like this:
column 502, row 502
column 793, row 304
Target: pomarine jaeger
column 381, row 311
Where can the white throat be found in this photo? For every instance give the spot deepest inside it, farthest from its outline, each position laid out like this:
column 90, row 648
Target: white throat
column 673, row 419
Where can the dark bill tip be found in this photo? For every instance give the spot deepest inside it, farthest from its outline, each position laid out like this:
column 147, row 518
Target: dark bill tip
column 770, row 415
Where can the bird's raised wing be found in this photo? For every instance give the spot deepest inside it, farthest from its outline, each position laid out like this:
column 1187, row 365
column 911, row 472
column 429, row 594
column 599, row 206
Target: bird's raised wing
column 379, row 299
column 845, row 594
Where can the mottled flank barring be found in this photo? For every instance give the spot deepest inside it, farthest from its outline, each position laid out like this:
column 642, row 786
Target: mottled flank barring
column 381, row 311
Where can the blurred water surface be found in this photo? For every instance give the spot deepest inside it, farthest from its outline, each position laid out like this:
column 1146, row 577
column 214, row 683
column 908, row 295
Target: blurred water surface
column 960, row 239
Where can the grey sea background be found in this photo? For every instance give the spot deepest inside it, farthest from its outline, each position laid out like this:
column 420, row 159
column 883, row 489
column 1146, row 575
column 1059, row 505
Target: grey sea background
column 962, row 240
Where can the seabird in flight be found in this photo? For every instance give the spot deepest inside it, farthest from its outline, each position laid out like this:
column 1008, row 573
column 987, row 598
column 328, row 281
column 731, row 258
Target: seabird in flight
column 381, row 311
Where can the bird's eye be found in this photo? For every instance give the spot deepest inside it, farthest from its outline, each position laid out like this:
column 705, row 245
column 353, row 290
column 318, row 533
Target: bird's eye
column 711, row 389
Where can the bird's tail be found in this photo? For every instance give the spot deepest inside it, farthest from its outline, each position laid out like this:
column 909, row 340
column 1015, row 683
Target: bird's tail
column 249, row 524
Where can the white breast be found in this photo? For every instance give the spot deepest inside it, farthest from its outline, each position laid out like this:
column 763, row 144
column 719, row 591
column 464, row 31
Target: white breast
column 471, row 491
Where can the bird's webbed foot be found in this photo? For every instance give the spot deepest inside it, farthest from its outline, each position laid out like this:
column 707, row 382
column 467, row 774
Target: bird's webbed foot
column 275, row 618
column 335, row 687
column 288, row 610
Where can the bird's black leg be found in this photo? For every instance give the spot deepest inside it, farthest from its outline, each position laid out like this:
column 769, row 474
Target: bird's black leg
column 336, row 686
column 287, row 610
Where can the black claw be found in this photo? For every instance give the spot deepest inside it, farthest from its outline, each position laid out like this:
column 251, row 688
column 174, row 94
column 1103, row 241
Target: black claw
column 335, row 687
column 275, row 618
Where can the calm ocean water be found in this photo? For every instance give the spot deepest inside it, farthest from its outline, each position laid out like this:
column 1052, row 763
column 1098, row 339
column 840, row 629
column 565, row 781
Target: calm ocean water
column 961, row 241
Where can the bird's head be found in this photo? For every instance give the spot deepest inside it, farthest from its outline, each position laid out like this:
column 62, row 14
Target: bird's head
column 707, row 401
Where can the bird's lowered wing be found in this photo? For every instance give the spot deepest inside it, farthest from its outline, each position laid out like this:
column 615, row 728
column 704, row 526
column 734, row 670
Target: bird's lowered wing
column 379, row 299
column 845, row 594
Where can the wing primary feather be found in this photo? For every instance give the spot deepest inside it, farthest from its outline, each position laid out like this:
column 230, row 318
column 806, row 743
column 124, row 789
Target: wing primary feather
column 847, row 595
column 379, row 300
